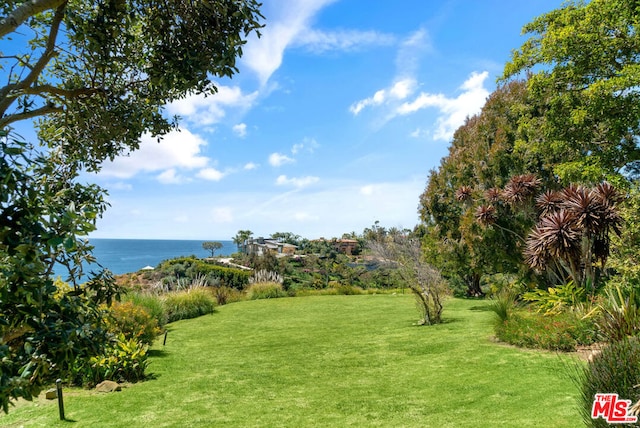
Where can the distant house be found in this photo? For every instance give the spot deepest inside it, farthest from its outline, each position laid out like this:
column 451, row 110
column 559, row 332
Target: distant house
column 344, row 246
column 261, row 246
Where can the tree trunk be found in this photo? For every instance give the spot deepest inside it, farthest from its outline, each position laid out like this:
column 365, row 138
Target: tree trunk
column 473, row 285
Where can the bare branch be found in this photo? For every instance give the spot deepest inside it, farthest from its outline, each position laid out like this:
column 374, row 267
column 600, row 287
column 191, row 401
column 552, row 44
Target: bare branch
column 24, row 11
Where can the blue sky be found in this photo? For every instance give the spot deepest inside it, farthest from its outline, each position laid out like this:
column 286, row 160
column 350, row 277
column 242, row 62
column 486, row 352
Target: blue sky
column 334, row 121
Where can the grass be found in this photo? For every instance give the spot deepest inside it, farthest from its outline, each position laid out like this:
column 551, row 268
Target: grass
column 331, row 361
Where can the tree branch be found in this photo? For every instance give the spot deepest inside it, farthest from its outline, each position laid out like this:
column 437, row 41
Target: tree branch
column 23, row 12
column 7, row 120
column 5, row 99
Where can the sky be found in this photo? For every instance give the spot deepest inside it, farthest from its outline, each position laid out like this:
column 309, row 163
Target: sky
column 337, row 115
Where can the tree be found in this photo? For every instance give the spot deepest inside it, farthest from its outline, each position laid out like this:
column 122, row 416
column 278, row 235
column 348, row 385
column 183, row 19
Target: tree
column 404, row 251
column 241, row 237
column 584, row 63
column 212, row 246
column 485, row 152
column 97, row 76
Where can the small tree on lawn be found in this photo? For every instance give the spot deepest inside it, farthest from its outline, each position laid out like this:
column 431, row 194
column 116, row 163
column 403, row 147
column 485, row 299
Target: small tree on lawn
column 212, row 246
column 404, row 251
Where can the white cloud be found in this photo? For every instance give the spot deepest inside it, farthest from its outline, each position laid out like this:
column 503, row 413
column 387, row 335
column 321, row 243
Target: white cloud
column 400, row 90
column 211, row 109
column 453, row 111
column 309, row 144
column 170, row 176
column 287, row 20
column 278, row 159
column 240, row 130
column 290, row 25
column 250, row 165
column 175, row 150
column 344, row 40
column 211, row 174
column 298, row 182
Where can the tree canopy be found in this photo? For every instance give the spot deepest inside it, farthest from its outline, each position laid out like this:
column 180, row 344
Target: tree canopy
column 96, row 76
column 585, row 68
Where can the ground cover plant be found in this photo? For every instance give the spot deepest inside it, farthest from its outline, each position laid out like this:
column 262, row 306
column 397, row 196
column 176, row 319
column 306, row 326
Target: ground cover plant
column 331, row 361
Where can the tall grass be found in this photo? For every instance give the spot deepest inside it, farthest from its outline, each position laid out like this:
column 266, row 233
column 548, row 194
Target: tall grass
column 189, row 303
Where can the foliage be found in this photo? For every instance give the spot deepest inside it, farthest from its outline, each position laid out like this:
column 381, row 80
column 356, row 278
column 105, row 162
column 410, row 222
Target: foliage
column 616, row 369
column 265, row 276
column 44, row 213
column 584, row 59
column 502, row 304
column 212, row 246
column 556, row 299
column 573, row 232
column 421, row 278
column 133, row 322
column 151, row 303
column 625, row 248
column 482, row 157
column 241, row 237
column 561, row 332
column 125, row 360
column 265, row 290
column 192, row 267
column 187, row 304
column 97, row 76
column 620, row 314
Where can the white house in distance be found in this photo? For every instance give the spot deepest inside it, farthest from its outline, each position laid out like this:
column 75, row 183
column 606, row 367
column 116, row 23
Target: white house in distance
column 261, row 246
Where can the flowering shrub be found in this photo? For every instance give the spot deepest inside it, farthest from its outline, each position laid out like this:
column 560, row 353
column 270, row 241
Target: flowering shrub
column 133, row 322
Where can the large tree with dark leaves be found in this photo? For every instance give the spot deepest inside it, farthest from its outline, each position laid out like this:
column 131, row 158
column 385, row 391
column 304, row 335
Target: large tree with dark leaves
column 96, row 75
column 485, row 152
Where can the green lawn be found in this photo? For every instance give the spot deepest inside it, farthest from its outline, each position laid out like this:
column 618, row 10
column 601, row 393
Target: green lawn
column 330, row 361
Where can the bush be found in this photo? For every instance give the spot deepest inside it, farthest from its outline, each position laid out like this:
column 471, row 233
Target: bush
column 193, row 267
column 620, row 315
column 615, row 370
column 187, row 304
column 133, row 322
column 346, row 289
column 124, row 361
column 562, row 332
column 152, row 303
column 265, row 290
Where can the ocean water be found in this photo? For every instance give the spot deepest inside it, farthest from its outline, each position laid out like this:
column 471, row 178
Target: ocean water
column 130, row 255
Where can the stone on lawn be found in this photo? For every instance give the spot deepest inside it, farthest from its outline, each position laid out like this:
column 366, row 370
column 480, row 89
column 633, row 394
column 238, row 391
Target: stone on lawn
column 108, row 386
column 51, row 394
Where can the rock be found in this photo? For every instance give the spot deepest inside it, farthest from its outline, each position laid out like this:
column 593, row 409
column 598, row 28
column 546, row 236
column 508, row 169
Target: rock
column 108, row 386
column 51, row 394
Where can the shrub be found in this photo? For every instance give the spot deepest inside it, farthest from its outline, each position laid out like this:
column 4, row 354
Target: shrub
column 124, row 361
column 152, row 303
column 188, row 303
column 615, row 370
column 620, row 315
column 133, row 322
column 265, row 290
column 346, row 289
column 556, row 299
column 562, row 332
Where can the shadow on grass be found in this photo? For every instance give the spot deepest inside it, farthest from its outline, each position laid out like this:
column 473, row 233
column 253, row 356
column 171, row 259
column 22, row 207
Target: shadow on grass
column 485, row 308
column 157, row 353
